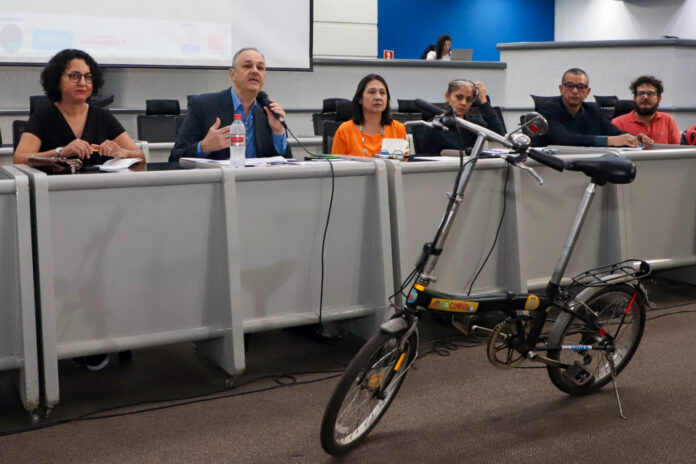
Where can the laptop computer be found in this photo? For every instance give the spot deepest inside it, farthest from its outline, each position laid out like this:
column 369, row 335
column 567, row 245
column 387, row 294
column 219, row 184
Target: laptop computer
column 461, row 54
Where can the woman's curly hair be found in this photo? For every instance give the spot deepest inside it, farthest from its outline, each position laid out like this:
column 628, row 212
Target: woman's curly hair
column 52, row 73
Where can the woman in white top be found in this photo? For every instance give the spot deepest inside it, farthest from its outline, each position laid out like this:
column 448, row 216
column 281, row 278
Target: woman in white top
column 442, row 49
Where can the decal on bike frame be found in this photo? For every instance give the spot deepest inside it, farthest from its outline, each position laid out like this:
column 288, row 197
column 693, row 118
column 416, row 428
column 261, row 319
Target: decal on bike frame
column 457, row 306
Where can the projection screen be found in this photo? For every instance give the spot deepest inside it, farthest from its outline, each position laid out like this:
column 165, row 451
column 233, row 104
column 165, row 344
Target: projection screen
column 172, row 33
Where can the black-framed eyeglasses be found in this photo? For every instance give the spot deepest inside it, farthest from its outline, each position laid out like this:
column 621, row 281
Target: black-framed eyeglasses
column 646, row 93
column 571, row 86
column 76, row 76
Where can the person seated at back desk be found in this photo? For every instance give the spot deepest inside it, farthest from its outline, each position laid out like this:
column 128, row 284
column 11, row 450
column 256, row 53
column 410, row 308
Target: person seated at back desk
column 443, row 49
column 205, row 132
column 461, row 95
column 572, row 121
column 659, row 126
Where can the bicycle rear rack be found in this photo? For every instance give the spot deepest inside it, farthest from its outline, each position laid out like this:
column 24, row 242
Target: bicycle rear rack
column 612, row 274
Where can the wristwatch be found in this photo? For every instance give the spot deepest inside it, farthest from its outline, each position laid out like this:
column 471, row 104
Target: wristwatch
column 58, row 150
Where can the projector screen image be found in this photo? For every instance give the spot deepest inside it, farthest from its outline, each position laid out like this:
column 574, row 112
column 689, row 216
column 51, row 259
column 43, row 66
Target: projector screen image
column 177, row 33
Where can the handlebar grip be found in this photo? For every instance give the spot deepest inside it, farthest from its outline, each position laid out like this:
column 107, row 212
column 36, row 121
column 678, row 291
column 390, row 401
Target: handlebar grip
column 552, row 161
column 428, row 107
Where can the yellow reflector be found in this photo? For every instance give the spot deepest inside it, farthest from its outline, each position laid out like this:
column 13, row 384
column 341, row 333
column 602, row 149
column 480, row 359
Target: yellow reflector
column 532, row 303
column 398, row 363
column 375, row 381
column 419, row 287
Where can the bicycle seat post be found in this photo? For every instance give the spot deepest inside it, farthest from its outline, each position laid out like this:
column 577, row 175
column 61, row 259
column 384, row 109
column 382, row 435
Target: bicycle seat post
column 567, row 252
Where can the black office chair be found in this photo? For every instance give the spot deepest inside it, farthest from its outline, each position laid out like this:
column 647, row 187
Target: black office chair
column 427, row 50
column 417, row 135
column 18, row 127
column 623, row 107
column 330, row 128
column 607, row 104
column 328, row 113
column 606, row 100
column 344, row 112
column 103, row 102
column 407, row 111
column 161, row 121
column 540, row 101
column 37, row 102
column 499, row 112
column 476, row 110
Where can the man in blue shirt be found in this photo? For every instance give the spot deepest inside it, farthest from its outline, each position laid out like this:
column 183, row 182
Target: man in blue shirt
column 572, row 121
column 205, row 133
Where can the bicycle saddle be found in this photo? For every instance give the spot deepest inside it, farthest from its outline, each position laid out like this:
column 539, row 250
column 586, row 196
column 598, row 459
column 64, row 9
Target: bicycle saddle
column 606, row 168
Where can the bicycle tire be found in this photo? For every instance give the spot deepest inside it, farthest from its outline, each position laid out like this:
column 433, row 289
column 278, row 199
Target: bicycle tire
column 346, row 423
column 610, row 303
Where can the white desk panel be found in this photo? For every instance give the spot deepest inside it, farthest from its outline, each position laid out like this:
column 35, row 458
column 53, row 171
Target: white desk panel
column 18, row 346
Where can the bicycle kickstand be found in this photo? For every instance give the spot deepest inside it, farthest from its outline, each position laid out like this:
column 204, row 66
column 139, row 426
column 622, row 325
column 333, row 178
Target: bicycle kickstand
column 610, row 359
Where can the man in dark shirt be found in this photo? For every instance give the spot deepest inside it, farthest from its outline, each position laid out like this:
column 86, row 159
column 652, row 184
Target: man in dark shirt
column 572, row 121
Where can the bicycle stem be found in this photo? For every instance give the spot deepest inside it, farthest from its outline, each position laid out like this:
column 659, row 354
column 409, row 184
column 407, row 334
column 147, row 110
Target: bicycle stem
column 448, row 218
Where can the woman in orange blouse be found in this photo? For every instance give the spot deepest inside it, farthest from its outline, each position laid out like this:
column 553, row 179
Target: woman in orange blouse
column 372, row 121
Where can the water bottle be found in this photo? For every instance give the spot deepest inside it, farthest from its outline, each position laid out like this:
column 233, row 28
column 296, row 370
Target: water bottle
column 237, row 142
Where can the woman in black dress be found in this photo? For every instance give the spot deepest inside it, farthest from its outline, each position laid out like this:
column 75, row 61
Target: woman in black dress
column 71, row 126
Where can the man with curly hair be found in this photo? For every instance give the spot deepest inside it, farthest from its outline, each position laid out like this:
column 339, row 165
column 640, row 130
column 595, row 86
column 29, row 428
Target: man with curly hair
column 645, row 119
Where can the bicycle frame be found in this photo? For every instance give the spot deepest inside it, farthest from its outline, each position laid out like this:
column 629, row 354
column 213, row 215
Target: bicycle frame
column 598, row 296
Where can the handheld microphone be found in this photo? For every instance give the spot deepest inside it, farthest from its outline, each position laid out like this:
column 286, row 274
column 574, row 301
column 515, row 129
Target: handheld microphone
column 262, row 99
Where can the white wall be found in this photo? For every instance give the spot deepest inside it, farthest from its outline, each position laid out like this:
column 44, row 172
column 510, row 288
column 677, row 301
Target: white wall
column 345, row 29
column 624, row 19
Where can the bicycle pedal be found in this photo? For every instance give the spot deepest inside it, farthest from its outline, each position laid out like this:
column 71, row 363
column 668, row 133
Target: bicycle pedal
column 579, row 375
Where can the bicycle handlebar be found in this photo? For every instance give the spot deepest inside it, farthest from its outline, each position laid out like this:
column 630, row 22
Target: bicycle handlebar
column 428, row 107
column 511, row 140
column 547, row 159
column 470, row 126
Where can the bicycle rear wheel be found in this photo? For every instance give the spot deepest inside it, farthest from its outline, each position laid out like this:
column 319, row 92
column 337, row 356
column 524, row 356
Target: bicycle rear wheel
column 366, row 390
column 621, row 312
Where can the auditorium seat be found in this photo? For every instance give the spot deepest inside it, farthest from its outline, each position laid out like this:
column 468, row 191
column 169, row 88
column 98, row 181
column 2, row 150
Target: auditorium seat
column 328, row 113
column 476, row 109
column 161, row 121
column 540, row 100
column 37, row 102
column 606, row 102
column 428, row 49
column 623, row 107
column 344, row 112
column 18, row 127
column 407, row 111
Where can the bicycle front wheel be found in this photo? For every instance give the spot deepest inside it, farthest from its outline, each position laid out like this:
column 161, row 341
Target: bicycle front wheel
column 366, row 390
column 621, row 312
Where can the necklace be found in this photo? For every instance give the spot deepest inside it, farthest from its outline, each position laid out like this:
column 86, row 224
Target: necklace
column 362, row 138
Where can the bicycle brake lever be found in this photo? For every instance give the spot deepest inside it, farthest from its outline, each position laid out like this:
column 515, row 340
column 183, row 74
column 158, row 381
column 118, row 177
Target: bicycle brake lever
column 518, row 161
column 532, row 172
